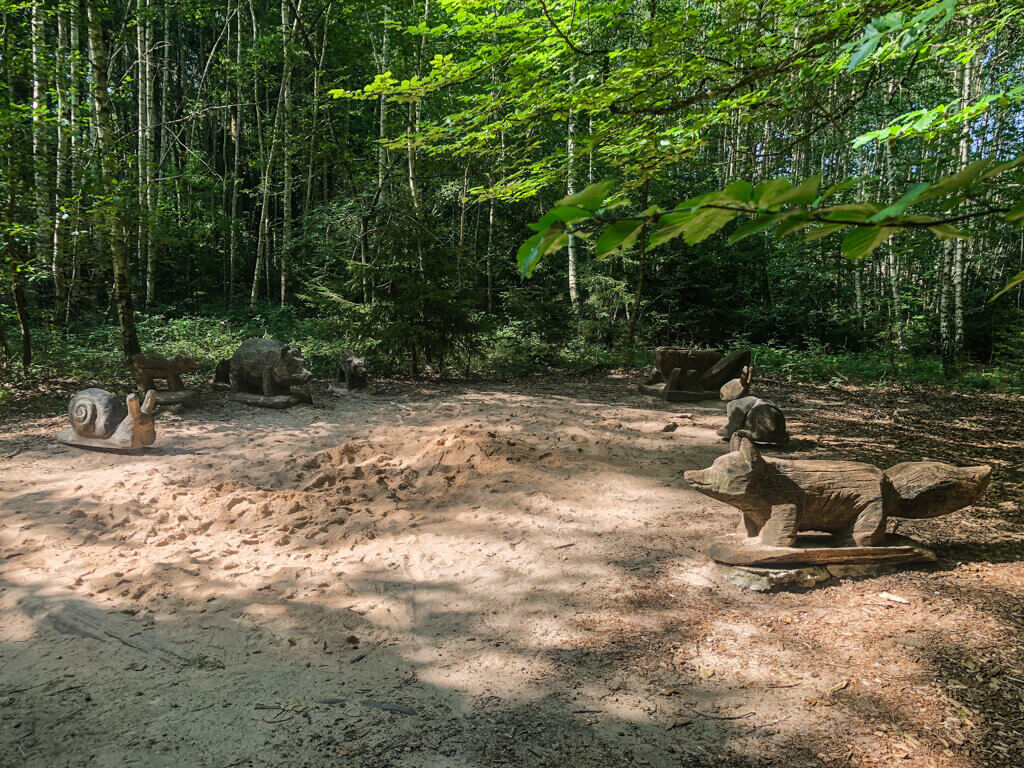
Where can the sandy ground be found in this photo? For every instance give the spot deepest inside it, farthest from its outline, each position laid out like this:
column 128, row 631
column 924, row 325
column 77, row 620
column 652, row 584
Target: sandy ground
column 482, row 576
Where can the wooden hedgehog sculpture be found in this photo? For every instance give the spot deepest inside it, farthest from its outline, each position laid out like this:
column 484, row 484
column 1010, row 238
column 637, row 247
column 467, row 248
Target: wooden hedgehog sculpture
column 779, row 499
column 99, row 420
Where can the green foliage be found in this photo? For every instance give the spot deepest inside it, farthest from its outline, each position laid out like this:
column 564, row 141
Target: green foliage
column 787, row 208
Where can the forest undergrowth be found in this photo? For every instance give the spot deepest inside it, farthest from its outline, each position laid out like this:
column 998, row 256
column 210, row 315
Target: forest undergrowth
column 87, row 353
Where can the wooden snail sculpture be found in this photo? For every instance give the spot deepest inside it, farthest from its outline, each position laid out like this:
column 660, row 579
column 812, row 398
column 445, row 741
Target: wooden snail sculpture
column 99, row 420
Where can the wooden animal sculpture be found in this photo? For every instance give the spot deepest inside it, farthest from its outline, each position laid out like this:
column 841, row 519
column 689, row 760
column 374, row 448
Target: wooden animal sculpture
column 729, row 367
column 756, row 419
column 222, row 373
column 691, row 374
column 147, row 368
column 351, row 372
column 263, row 371
column 739, row 387
column 779, row 498
column 99, row 420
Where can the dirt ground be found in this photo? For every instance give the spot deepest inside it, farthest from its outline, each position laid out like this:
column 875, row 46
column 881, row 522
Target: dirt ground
column 491, row 575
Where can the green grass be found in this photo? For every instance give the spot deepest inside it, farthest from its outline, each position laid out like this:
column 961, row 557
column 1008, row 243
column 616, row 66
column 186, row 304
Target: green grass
column 819, row 366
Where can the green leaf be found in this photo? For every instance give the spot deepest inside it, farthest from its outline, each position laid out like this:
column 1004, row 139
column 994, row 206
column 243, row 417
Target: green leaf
column 590, row 197
column 1014, row 282
column 1016, row 212
column 995, row 170
column 867, row 48
column 765, row 194
column 861, row 241
column 621, row 234
column 755, row 226
column 823, row 231
column 705, row 222
column 910, row 197
column 564, row 214
column 800, row 195
column 533, row 250
column 739, row 191
column 946, row 231
column 835, row 189
column 956, row 181
column 793, row 223
column 850, row 211
column 669, row 226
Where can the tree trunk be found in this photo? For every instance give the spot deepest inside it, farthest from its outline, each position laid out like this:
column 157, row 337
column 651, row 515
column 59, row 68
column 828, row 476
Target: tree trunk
column 945, row 322
column 262, row 244
column 959, row 248
column 570, row 188
column 236, row 159
column 40, row 160
column 286, row 233
column 108, row 169
column 150, row 196
column 74, row 141
column 142, row 146
column 61, row 166
column 641, row 249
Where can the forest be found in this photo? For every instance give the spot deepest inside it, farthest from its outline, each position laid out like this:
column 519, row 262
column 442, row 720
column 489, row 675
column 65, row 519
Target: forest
column 365, row 174
column 533, row 383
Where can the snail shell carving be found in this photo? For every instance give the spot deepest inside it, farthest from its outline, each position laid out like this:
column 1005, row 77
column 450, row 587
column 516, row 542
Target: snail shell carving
column 96, row 413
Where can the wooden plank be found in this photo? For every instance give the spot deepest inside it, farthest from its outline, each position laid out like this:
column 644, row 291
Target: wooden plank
column 741, row 550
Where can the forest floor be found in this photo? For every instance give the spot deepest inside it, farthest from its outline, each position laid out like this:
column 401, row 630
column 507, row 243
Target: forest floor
column 463, row 575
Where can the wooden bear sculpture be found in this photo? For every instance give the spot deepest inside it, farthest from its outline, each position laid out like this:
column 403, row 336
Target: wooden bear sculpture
column 351, row 372
column 758, row 420
column 778, row 498
column 99, row 420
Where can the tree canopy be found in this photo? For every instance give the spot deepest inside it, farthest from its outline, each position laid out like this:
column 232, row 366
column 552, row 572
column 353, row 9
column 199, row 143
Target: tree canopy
column 812, row 173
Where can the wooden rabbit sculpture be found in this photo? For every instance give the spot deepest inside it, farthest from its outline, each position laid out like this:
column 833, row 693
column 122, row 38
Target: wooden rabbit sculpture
column 98, row 420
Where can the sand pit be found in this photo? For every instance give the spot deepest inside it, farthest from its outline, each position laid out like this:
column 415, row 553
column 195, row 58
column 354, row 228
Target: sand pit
column 472, row 576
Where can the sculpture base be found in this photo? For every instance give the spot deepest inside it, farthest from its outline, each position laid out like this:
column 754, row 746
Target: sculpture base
column 186, row 398
column 673, row 395
column 813, row 550
column 113, row 444
column 266, row 401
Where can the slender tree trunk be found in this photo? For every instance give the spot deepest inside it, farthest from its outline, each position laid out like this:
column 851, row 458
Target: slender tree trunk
column 945, row 320
column 263, row 245
column 286, row 232
column 463, row 205
column 959, row 247
column 383, row 109
column 21, row 309
column 570, row 188
column 108, row 154
column 61, row 165
column 74, row 129
column 410, row 128
column 142, row 145
column 236, row 158
column 150, row 71
column 641, row 248
column 490, row 254
column 40, row 158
